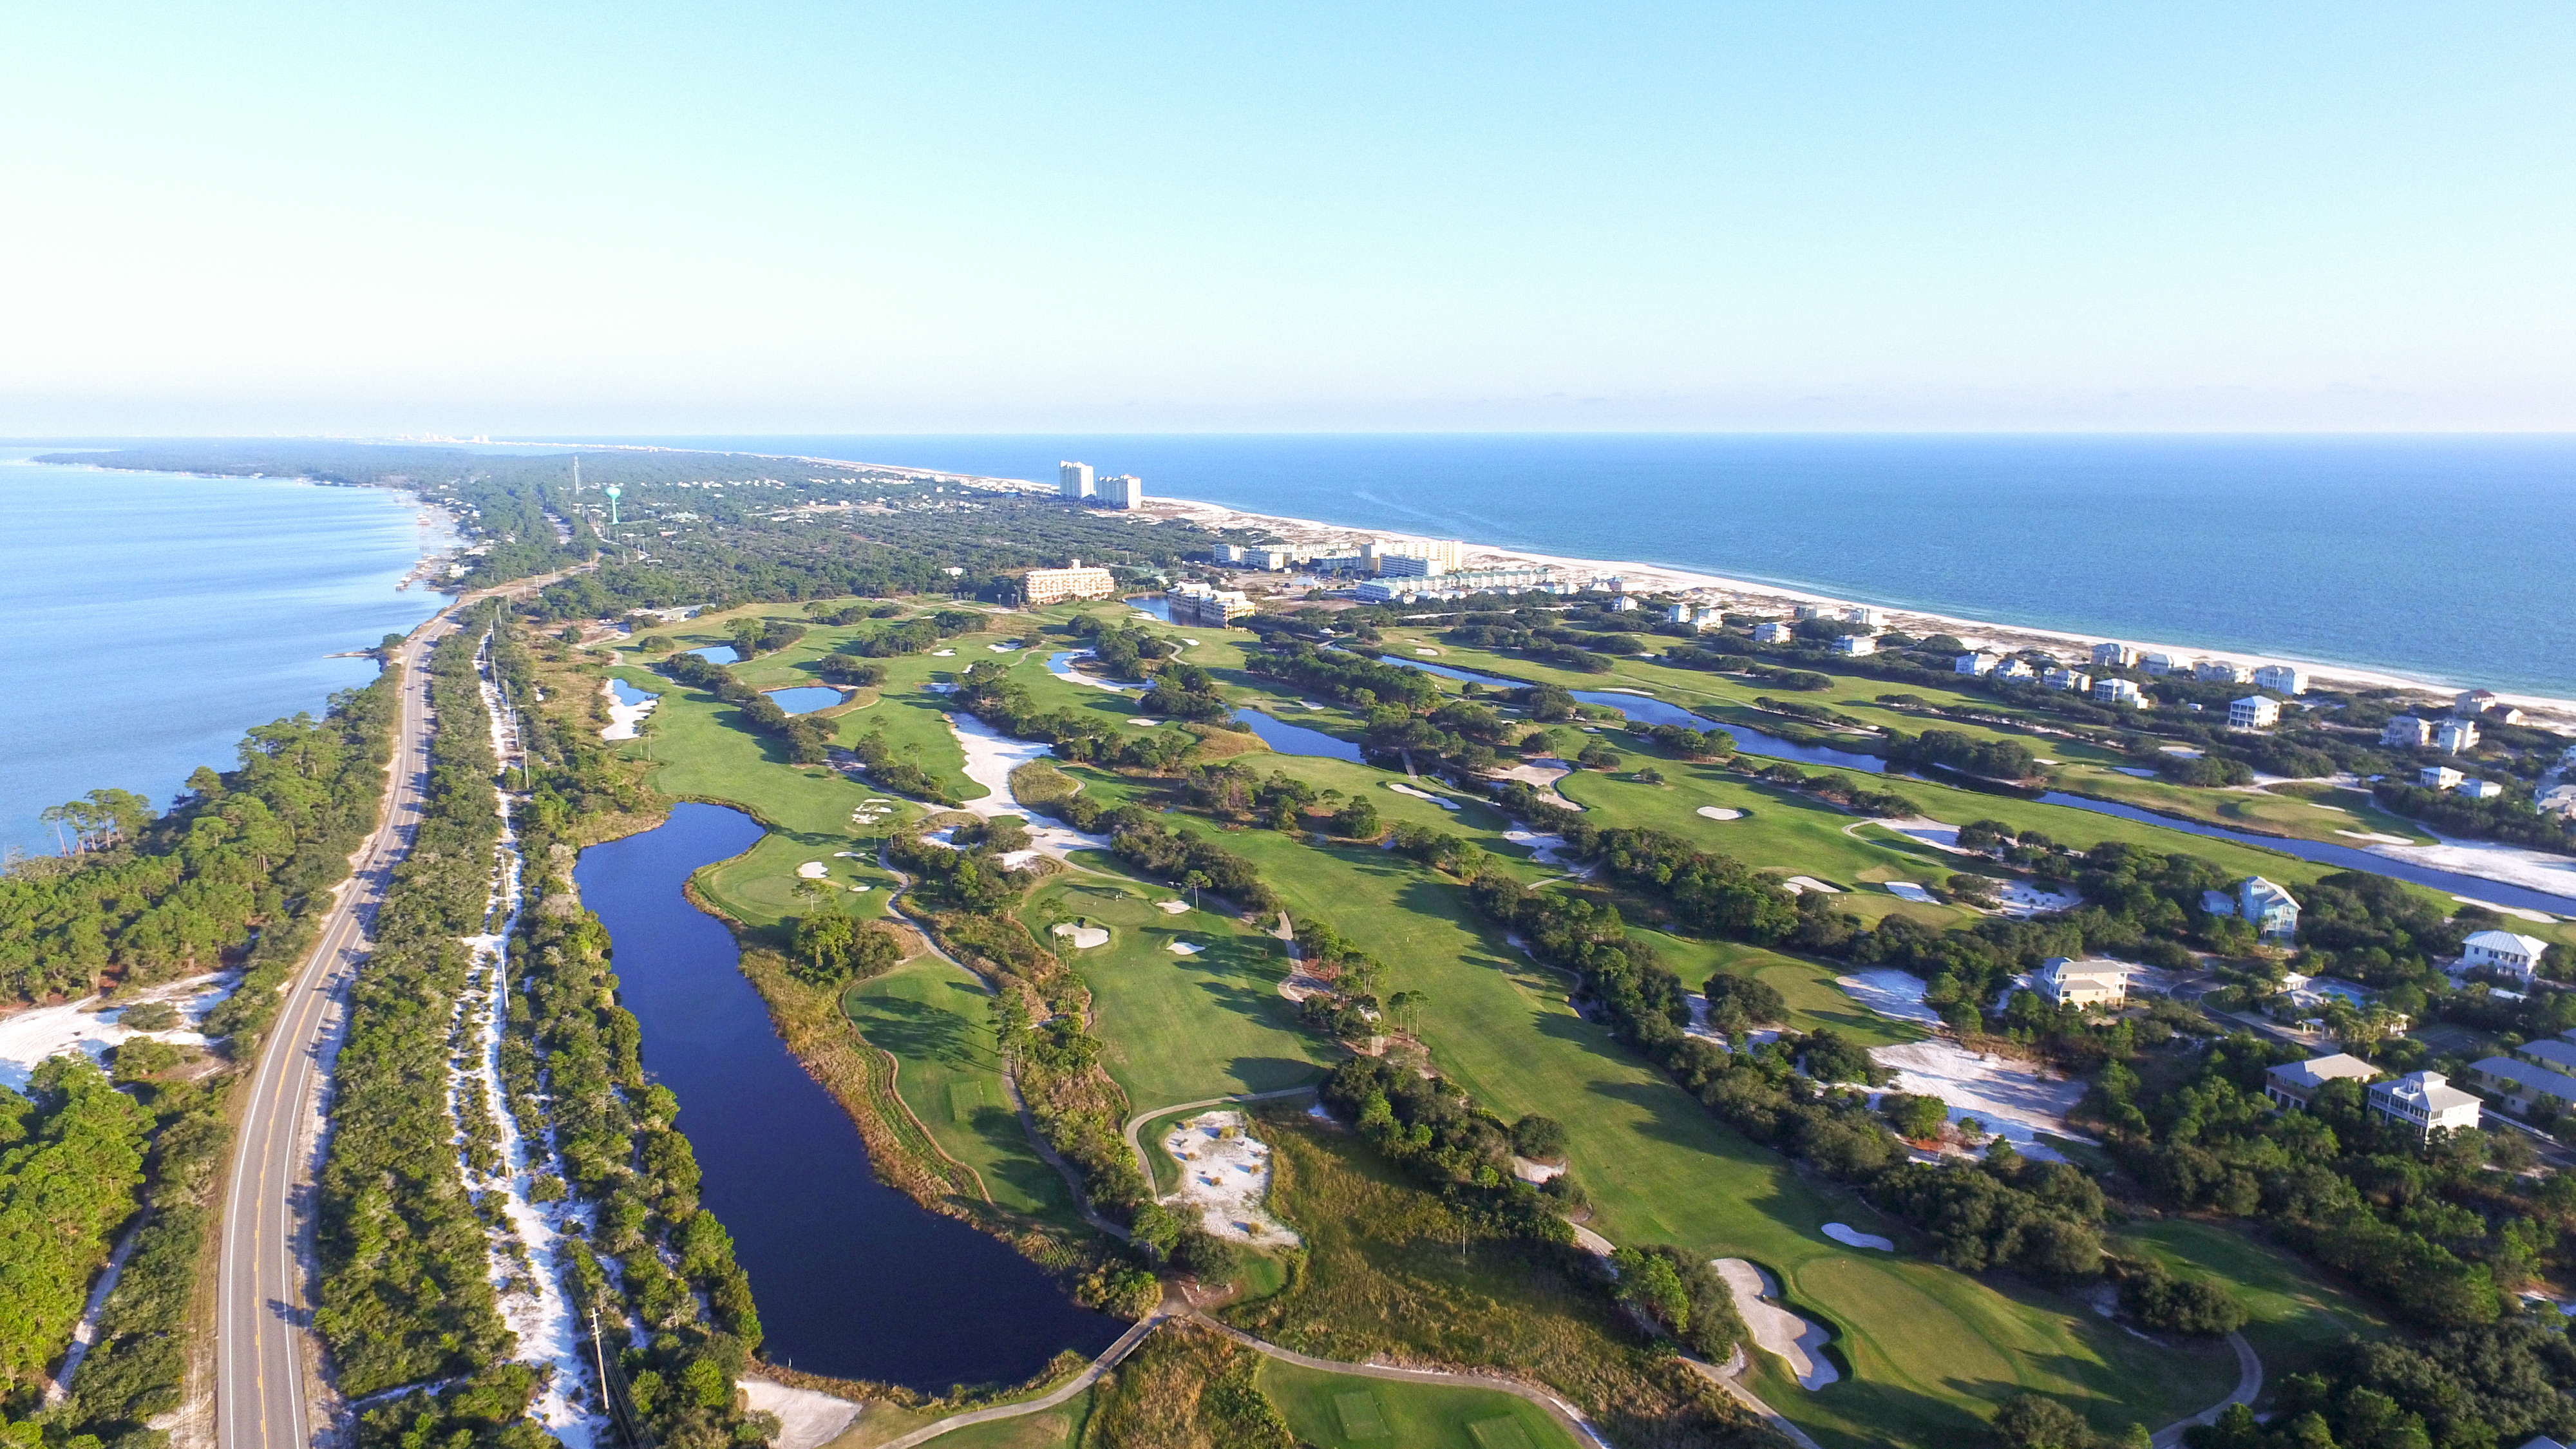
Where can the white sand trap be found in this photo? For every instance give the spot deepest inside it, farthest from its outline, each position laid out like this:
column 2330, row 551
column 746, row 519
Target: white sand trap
column 1799, row 884
column 813, row 870
column 1001, row 648
column 991, row 756
column 1428, row 653
column 28, row 1037
column 1535, row 1173
column 1021, row 859
column 1851, row 1237
column 2013, row 1101
column 1906, row 890
column 1148, row 721
column 1308, row 704
column 1225, row 1174
column 2375, row 837
column 1718, row 812
column 1542, row 848
column 2019, row 898
column 847, row 855
column 943, row 653
column 2533, row 870
column 1775, row 1329
column 1890, row 992
column 1193, row 643
column 860, row 890
column 623, row 718
column 2517, row 912
column 1592, row 1242
column 807, row 1419
column 1403, row 789
column 1184, row 948
column 1172, row 908
column 1082, row 937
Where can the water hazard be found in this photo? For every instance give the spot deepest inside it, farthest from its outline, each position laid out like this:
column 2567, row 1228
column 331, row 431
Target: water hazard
column 853, row 1279
column 804, row 698
column 1290, row 739
column 719, row 654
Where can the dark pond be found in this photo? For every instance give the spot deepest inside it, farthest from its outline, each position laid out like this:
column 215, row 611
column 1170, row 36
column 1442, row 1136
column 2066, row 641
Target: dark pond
column 1289, row 739
column 804, row 698
column 853, row 1279
column 628, row 694
column 718, row 654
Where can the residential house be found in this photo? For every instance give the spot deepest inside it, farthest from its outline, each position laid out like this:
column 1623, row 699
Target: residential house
column 2015, row 669
column 1774, row 632
column 2118, row 691
column 2115, row 656
column 2438, row 777
column 2559, row 800
column 1867, row 618
column 2503, row 952
column 2273, row 911
column 2477, row 789
column 2222, row 671
column 2253, row 712
column 2524, row 1086
column 2072, row 681
column 1855, row 644
column 2281, row 679
column 2295, row 1084
column 2454, row 735
column 2066, row 981
column 1818, row 611
column 2554, row 1052
column 1980, row 665
column 2426, row 1102
column 1623, row 604
column 2407, row 732
column 2470, row 703
column 2159, row 663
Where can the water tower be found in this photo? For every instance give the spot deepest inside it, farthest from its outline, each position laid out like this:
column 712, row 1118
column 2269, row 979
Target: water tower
column 612, row 490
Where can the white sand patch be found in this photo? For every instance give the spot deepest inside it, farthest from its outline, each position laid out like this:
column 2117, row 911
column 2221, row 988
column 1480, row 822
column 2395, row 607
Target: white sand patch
column 1592, row 1242
column 1906, row 890
column 1427, row 653
column 943, row 653
column 2183, row 751
column 1851, row 1237
column 28, row 1037
column 847, row 855
column 1542, row 848
column 1225, row 1174
column 1890, row 992
column 1718, row 812
column 2533, row 870
column 623, row 718
column 807, row 1419
column 1060, row 664
column 860, row 890
column 1184, row 948
column 1172, row 908
column 991, row 756
column 2517, row 912
column 1777, row 1331
column 2013, row 1101
column 1442, row 801
column 1148, row 721
column 1021, row 859
column 813, row 870
column 1002, row 648
column 1308, row 704
column 1930, row 832
column 2375, row 837
column 1798, row 884
column 2018, row 898
column 1083, row 938
column 1536, row 1172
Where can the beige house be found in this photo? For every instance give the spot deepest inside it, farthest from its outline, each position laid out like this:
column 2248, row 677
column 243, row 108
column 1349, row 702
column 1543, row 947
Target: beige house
column 2295, row 1084
column 2066, row 981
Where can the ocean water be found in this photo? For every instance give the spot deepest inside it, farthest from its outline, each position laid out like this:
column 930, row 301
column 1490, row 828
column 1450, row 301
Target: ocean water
column 147, row 619
column 2441, row 558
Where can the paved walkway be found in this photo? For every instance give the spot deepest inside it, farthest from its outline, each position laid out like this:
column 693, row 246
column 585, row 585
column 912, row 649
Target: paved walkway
column 1724, row 1378
column 1125, row 1345
column 2249, row 1384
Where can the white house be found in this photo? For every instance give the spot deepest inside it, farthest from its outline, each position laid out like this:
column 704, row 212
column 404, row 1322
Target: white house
column 2281, row 679
column 2066, row 981
column 2407, row 732
column 2556, row 800
column 2253, row 712
column 2454, row 735
column 2426, row 1102
column 1867, row 618
column 2115, row 656
column 2118, row 691
column 2222, row 671
column 1855, row 644
column 2015, row 669
column 2159, row 663
column 2274, row 911
column 1681, row 614
column 1979, row 665
column 2295, row 1084
column 2470, row 703
column 1623, row 604
column 2073, row 681
column 2437, row 777
column 2504, row 952
column 2480, row 789
column 1774, row 632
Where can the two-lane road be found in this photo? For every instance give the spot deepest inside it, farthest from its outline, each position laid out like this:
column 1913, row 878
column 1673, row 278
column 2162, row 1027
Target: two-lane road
column 264, row 1350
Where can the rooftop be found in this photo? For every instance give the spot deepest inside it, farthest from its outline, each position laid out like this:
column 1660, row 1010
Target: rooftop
column 2317, row 1071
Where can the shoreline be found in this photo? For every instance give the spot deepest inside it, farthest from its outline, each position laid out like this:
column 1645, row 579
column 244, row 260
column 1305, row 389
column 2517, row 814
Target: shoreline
column 1669, row 579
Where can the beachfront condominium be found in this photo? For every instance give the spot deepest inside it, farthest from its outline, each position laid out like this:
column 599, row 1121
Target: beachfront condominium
column 2281, row 679
column 1122, row 490
column 1054, row 586
column 1073, row 480
column 1438, row 555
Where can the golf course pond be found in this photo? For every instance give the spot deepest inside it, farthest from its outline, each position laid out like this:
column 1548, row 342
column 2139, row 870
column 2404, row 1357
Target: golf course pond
column 853, row 1279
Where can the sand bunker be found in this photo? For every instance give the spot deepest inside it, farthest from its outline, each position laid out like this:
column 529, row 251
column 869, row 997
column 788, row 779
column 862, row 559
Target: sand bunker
column 1147, row 721
column 1225, row 1175
column 813, row 870
column 1428, row 653
column 1890, row 992
column 1795, row 1341
column 1082, row 937
column 623, row 718
column 943, row 653
column 1718, row 812
column 2014, row 1102
column 806, row 1419
column 1172, row 908
column 2375, row 837
column 1799, row 884
column 1906, row 890
column 2018, row 898
column 1184, row 948
column 1851, row 1237
column 2517, row 912
column 991, row 756
column 1404, row 789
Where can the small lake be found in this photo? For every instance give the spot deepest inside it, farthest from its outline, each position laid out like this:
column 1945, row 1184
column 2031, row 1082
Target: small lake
column 803, row 698
column 1060, row 664
column 853, row 1279
column 1289, row 739
column 628, row 695
column 719, row 654
column 1160, row 608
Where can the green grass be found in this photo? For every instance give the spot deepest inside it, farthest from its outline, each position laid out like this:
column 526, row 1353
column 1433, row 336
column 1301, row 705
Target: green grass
column 1057, row 1428
column 1181, row 1028
column 933, row 1017
column 1806, row 986
column 1337, row 1411
column 2296, row 1317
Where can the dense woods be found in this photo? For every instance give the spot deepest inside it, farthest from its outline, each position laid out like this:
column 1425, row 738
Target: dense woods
column 71, row 1157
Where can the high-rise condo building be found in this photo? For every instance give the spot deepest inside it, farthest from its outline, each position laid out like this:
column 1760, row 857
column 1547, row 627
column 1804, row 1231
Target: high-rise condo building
column 1122, row 490
column 1073, row 480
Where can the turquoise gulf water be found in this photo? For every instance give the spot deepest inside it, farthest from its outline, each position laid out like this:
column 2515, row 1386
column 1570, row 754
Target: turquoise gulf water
column 147, row 619
column 2443, row 558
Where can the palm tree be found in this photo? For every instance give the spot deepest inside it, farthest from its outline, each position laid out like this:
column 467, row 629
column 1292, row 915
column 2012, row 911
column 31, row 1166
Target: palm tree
column 1196, row 880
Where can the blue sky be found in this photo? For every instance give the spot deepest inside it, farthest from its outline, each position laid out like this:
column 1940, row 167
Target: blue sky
column 639, row 218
